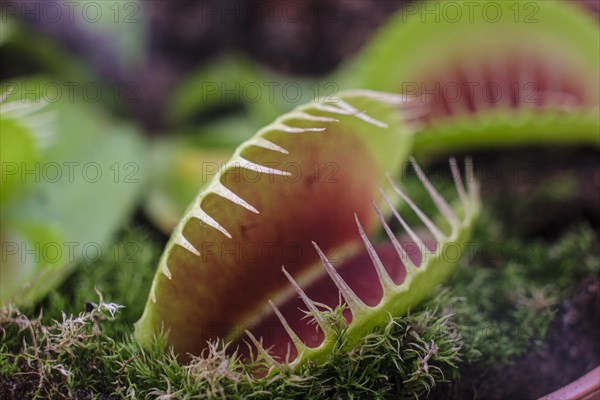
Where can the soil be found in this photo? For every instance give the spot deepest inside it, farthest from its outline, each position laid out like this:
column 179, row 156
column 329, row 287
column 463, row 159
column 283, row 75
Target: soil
column 542, row 191
column 570, row 350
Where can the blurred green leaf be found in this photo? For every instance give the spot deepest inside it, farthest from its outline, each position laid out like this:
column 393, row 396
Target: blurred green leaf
column 84, row 187
column 216, row 85
column 17, row 150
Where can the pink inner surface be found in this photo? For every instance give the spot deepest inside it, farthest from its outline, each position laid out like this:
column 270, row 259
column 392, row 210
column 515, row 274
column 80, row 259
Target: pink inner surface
column 360, row 275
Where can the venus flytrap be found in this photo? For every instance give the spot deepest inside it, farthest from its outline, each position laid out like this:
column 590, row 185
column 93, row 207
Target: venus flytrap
column 255, row 198
column 363, row 133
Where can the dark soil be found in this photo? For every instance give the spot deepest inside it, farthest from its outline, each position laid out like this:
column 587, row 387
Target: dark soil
column 570, row 350
column 541, row 191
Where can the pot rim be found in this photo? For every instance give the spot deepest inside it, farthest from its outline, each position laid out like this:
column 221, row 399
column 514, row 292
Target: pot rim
column 585, row 388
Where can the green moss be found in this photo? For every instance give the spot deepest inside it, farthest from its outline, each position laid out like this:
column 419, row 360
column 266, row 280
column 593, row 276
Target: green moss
column 123, row 275
column 497, row 305
column 74, row 357
column 504, row 298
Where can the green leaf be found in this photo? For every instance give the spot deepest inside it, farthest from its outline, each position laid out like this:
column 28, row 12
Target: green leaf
column 222, row 83
column 17, row 151
column 86, row 182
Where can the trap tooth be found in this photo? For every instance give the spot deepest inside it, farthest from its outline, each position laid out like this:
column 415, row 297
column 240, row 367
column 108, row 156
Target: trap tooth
column 183, row 242
column 261, row 350
column 242, row 162
column 300, row 347
column 460, row 188
column 384, row 278
column 224, row 192
column 390, row 98
column 266, row 144
column 280, row 126
column 439, row 201
column 355, row 304
column 472, row 184
column 312, row 308
column 408, row 264
column 325, row 107
column 198, row 213
column 361, row 115
column 166, row 271
column 309, row 117
column 21, row 109
column 437, row 234
column 413, row 236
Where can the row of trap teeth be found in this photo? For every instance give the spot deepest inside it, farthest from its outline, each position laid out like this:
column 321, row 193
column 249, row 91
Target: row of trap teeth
column 469, row 199
column 334, row 107
column 510, row 93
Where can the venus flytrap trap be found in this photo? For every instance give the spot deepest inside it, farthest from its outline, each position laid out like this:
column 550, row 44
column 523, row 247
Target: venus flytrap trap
column 256, row 199
column 363, row 133
column 524, row 73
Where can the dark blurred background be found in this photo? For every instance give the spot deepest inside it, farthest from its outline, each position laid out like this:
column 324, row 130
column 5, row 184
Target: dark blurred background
column 307, row 37
column 173, row 38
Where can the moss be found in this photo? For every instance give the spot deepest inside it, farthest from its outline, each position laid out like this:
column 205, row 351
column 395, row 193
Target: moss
column 494, row 308
column 509, row 290
column 123, row 274
column 74, row 358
